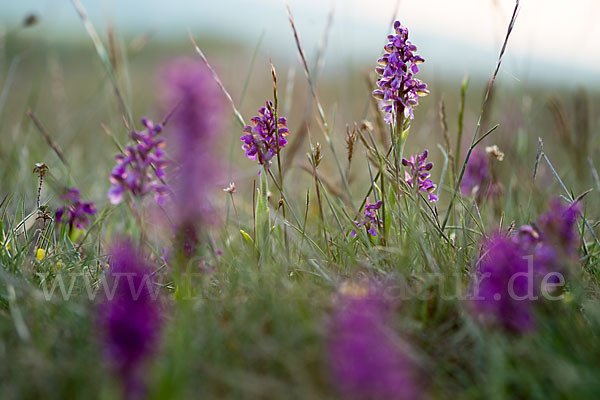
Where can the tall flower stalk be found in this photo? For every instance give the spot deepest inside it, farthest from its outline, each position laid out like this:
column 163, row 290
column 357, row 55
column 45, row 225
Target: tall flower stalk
column 263, row 140
column 398, row 90
column 195, row 125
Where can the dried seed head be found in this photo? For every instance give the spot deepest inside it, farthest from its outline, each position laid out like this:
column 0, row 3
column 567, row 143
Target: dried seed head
column 40, row 169
column 366, row 125
column 274, row 76
column 351, row 137
column 494, row 151
column 316, row 155
column 30, row 20
column 230, row 189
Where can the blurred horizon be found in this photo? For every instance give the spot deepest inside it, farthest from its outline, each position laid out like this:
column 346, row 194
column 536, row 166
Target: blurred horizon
column 462, row 38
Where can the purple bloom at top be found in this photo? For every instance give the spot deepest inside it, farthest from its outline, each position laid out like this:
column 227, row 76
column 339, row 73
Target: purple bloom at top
column 74, row 212
column 369, row 220
column 418, row 175
column 398, row 89
column 260, row 139
column 141, row 168
column 368, row 360
column 193, row 136
column 129, row 317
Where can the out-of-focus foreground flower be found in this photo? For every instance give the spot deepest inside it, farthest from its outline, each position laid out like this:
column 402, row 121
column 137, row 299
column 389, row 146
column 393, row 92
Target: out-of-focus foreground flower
column 501, row 287
column 129, row 318
column 368, row 359
column 516, row 271
column 557, row 226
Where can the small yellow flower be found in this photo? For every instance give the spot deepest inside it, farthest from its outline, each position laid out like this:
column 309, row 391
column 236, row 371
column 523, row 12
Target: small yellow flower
column 40, row 254
column 58, row 266
column 354, row 290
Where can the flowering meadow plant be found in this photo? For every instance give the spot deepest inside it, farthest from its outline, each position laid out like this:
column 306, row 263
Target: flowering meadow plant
column 264, row 138
column 398, row 89
column 377, row 255
column 74, row 212
column 417, row 175
column 370, row 221
column 140, row 169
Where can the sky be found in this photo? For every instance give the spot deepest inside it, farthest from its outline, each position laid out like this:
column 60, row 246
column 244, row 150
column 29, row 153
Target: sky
column 553, row 41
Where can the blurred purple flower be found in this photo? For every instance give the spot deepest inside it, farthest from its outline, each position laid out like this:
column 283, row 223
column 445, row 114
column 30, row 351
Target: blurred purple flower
column 557, row 226
column 505, row 286
column 74, row 212
column 553, row 241
column 369, row 220
column 419, row 171
column 398, row 89
column 479, row 179
column 260, row 141
column 197, row 122
column 477, row 174
column 367, row 359
column 512, row 271
column 528, row 236
column 129, row 318
column 141, row 168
